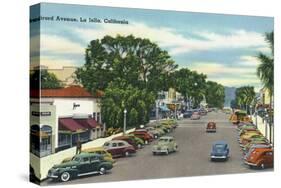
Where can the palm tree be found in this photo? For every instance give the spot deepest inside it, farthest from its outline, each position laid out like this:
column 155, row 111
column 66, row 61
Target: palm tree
column 265, row 71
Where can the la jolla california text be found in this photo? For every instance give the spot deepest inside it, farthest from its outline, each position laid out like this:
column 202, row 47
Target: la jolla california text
column 81, row 19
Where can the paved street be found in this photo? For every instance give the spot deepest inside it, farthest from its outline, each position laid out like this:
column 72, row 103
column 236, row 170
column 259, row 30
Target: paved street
column 192, row 159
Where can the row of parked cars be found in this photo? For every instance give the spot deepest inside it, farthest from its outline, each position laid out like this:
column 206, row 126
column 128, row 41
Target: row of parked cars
column 257, row 150
column 99, row 160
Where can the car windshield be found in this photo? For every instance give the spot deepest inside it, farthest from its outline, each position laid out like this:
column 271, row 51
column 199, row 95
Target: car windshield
column 219, row 147
column 163, row 140
column 106, row 144
column 76, row 159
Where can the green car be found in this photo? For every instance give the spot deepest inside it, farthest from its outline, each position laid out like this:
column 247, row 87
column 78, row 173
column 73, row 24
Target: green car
column 82, row 164
column 166, row 145
column 137, row 140
column 163, row 128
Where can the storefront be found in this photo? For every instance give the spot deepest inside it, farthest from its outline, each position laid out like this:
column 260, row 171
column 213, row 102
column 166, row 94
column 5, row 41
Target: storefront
column 41, row 140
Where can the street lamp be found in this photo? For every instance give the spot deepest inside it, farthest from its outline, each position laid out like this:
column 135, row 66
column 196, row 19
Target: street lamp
column 124, row 128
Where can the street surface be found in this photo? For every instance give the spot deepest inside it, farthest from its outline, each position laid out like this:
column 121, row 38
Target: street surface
column 192, row 159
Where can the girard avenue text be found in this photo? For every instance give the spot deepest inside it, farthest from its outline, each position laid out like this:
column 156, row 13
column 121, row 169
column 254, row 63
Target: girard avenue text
column 80, row 19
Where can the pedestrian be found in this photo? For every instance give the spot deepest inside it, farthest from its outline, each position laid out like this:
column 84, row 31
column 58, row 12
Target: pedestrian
column 78, row 147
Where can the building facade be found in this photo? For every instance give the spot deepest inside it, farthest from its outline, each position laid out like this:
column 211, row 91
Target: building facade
column 60, row 118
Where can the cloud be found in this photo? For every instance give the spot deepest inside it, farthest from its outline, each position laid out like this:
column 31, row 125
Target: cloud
column 177, row 43
column 227, row 75
column 217, row 69
column 59, row 45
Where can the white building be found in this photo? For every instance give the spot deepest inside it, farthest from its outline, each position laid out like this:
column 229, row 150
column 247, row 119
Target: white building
column 62, row 117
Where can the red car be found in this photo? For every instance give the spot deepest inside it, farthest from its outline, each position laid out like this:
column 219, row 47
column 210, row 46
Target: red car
column 119, row 148
column 129, row 140
column 211, row 127
column 144, row 135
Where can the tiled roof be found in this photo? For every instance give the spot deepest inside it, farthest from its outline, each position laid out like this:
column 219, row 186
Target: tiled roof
column 71, row 91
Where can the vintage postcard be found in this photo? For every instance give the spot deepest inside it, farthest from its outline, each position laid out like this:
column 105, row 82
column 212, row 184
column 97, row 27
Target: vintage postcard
column 130, row 94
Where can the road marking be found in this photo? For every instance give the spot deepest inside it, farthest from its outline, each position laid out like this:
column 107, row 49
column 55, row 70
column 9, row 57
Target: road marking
column 198, row 126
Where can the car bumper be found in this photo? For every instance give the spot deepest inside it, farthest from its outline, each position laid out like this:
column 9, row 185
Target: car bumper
column 52, row 176
column 250, row 164
column 211, row 130
column 159, row 151
column 218, row 157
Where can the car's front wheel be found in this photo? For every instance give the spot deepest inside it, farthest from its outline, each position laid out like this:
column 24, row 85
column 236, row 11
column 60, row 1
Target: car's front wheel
column 65, row 176
column 102, row 170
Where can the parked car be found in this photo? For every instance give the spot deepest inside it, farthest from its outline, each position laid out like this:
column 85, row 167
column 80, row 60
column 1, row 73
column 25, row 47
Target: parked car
column 202, row 112
column 260, row 157
column 187, row 114
column 252, row 138
column 195, row 116
column 139, row 141
column 163, row 128
column 166, row 145
column 144, row 135
column 119, row 148
column 211, row 127
column 100, row 150
column 81, row 164
column 151, row 131
column 155, row 132
column 220, row 150
column 248, row 146
column 130, row 140
column 253, row 146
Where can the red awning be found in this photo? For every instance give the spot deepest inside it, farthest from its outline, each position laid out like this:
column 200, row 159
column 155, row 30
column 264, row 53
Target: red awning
column 70, row 124
column 87, row 123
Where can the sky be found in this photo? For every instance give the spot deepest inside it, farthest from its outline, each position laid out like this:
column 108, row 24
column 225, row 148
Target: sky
column 224, row 47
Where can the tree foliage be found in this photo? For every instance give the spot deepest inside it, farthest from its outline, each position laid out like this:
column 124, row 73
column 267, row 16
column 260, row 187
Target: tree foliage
column 190, row 84
column 215, row 94
column 138, row 62
column 137, row 103
column 265, row 70
column 245, row 96
column 44, row 80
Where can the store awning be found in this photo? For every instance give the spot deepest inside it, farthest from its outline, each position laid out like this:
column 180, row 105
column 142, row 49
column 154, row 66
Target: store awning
column 89, row 123
column 70, row 124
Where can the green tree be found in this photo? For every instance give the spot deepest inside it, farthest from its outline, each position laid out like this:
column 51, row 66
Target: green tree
column 44, row 80
column 190, row 84
column 215, row 94
column 245, row 96
column 136, row 61
column 265, row 70
column 116, row 99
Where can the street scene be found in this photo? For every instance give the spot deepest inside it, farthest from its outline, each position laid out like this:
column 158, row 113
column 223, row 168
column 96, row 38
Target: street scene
column 135, row 97
column 192, row 159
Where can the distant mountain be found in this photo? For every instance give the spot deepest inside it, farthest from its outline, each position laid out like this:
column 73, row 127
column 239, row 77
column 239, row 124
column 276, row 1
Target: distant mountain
column 229, row 95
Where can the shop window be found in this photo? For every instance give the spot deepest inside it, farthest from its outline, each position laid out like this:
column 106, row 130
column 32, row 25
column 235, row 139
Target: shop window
column 94, row 116
column 64, row 139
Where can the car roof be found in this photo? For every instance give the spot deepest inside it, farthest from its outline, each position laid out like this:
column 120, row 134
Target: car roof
column 93, row 149
column 263, row 149
column 85, row 154
column 222, row 142
column 116, row 141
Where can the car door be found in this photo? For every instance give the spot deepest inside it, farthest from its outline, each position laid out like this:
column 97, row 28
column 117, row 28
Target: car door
column 84, row 166
column 113, row 149
column 121, row 148
column 94, row 161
